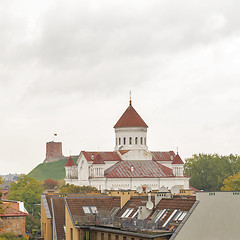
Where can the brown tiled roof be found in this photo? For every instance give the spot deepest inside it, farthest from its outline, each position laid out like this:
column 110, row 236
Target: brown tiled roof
column 98, row 160
column 70, row 163
column 58, row 207
column 162, row 156
column 106, row 156
column 177, row 160
column 130, row 118
column 141, row 169
column 9, row 211
column 102, row 203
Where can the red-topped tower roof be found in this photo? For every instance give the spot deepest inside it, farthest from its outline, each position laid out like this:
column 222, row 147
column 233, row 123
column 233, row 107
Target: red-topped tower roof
column 70, row 163
column 177, row 160
column 130, row 118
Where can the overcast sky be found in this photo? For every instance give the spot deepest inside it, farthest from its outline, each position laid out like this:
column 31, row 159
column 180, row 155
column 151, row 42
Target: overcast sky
column 67, row 67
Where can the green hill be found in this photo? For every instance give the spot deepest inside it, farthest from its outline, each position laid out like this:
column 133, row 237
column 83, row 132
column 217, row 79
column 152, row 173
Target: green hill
column 53, row 170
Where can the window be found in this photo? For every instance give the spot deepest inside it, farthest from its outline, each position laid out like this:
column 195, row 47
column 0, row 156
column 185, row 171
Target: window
column 182, row 216
column 114, row 211
column 136, row 140
column 135, row 215
column 145, row 141
column 90, row 209
column 159, row 214
column 127, row 213
column 124, row 238
column 71, row 233
column 124, row 141
column 177, row 215
column 170, row 218
column 119, row 140
column 109, row 236
column 102, row 236
column 130, row 141
column 116, row 141
column 141, row 141
column 116, row 237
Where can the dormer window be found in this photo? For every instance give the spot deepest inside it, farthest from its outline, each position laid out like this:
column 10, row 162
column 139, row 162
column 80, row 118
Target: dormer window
column 136, row 140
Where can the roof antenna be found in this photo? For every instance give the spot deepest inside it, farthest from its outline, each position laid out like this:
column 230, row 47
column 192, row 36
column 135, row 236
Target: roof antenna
column 130, row 95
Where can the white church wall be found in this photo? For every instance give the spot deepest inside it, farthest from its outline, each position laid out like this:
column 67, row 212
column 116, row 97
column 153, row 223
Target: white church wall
column 133, row 133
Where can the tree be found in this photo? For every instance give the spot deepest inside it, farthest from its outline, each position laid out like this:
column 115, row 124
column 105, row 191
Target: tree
column 71, row 188
column 208, row 171
column 27, row 190
column 50, row 183
column 232, row 183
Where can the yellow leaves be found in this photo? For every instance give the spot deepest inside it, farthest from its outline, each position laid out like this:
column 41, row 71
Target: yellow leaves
column 232, row 183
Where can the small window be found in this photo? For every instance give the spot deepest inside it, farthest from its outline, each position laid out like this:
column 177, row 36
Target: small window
column 119, row 140
column 130, row 141
column 135, row 215
column 136, row 141
column 141, row 141
column 124, row 238
column 182, row 216
column 114, row 211
column 109, row 236
column 116, row 237
column 116, row 141
column 170, row 218
column 145, row 141
column 102, row 236
column 124, row 141
column 90, row 209
column 127, row 213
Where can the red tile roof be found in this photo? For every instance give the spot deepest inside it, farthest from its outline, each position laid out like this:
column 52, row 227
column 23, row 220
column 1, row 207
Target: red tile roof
column 106, row 156
column 138, row 169
column 70, row 163
column 130, row 118
column 177, row 160
column 9, row 211
column 163, row 156
column 194, row 189
column 98, row 160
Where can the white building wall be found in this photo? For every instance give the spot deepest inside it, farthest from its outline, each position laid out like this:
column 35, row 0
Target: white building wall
column 133, row 133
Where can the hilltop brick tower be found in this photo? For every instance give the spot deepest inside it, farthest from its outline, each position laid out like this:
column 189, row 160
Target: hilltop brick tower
column 53, row 151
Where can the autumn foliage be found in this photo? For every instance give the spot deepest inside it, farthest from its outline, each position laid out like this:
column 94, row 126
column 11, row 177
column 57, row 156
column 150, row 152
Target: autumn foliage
column 50, row 183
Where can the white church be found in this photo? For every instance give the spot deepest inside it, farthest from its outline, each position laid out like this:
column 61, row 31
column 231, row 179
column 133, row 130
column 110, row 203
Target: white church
column 131, row 164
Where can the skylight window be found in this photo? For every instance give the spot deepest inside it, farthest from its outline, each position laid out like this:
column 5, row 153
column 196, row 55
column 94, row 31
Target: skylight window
column 170, row 218
column 159, row 214
column 114, row 211
column 135, row 215
column 177, row 215
column 127, row 213
column 90, row 209
column 182, row 216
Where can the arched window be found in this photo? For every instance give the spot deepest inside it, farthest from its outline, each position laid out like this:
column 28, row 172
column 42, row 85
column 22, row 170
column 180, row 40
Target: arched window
column 119, row 140
column 116, row 141
column 141, row 141
column 124, row 141
column 130, row 141
column 136, row 140
column 145, row 141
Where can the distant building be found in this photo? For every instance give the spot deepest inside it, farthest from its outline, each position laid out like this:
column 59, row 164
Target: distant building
column 53, row 151
column 131, row 164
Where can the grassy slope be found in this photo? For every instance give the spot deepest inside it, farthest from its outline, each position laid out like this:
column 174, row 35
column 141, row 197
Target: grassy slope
column 53, row 170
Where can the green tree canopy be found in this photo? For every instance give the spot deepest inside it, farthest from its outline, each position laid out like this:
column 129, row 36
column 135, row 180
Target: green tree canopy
column 208, row 171
column 71, row 188
column 27, row 190
column 232, row 183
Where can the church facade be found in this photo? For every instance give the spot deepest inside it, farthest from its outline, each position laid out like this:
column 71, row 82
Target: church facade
column 131, row 164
